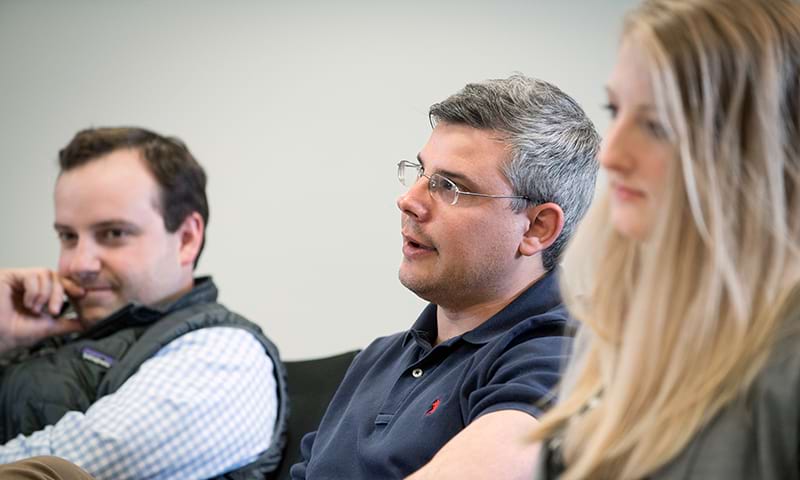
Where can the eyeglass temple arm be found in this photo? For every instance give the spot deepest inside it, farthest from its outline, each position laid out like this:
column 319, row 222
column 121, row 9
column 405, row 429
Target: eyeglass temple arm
column 492, row 196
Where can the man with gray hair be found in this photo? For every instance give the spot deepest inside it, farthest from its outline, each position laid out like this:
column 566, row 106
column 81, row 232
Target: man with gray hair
column 493, row 197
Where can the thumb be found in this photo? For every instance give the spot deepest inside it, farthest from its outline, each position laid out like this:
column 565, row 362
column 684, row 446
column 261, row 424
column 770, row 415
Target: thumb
column 72, row 288
column 64, row 325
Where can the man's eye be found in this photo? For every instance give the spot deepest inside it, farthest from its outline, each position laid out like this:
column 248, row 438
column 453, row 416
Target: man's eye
column 113, row 234
column 65, row 237
column 446, row 184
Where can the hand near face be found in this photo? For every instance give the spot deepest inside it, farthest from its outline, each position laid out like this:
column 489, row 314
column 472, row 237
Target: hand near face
column 30, row 300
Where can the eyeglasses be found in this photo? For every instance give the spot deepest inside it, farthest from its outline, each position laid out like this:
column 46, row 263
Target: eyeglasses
column 439, row 186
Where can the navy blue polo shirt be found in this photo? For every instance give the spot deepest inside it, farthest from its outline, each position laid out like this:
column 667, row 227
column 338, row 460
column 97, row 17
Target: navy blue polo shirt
column 402, row 399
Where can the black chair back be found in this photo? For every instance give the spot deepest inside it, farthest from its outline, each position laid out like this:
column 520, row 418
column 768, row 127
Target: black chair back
column 312, row 384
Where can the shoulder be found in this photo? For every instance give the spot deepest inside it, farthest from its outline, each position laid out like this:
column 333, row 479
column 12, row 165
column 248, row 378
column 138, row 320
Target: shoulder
column 555, row 322
column 543, row 335
column 215, row 347
column 218, row 337
column 380, row 347
column 778, row 383
column 780, row 375
column 756, row 434
column 214, row 317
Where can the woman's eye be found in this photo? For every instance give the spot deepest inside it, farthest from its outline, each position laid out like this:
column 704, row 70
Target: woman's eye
column 655, row 128
column 611, row 109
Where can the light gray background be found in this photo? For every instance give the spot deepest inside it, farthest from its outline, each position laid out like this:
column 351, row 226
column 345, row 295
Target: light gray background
column 298, row 110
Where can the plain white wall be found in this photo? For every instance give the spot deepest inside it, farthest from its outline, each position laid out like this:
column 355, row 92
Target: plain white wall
column 299, row 112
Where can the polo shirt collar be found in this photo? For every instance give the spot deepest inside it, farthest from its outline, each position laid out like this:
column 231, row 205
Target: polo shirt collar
column 424, row 330
column 542, row 296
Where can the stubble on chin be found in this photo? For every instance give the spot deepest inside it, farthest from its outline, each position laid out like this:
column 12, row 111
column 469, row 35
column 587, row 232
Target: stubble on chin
column 433, row 290
column 418, row 286
column 89, row 315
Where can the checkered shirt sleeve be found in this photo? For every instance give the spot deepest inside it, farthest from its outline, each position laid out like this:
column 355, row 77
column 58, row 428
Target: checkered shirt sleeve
column 204, row 405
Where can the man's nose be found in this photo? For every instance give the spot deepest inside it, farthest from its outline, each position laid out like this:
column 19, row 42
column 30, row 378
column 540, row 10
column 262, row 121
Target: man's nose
column 82, row 261
column 416, row 201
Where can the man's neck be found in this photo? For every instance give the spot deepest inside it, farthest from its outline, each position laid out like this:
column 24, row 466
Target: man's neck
column 188, row 284
column 452, row 322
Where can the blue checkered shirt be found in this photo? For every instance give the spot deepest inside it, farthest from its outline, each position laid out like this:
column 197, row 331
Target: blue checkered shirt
column 205, row 404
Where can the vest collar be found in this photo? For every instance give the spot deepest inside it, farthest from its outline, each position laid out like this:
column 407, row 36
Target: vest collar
column 135, row 313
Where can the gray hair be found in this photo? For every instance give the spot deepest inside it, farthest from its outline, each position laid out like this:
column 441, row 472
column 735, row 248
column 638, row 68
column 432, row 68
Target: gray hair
column 553, row 144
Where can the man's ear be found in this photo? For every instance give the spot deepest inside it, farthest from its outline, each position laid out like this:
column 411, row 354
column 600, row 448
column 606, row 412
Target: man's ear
column 545, row 223
column 190, row 235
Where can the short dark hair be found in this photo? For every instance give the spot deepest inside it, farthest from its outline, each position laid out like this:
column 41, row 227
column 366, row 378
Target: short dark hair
column 553, row 144
column 181, row 179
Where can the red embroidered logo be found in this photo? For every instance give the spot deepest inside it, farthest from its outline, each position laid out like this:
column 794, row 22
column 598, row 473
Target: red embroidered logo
column 433, row 407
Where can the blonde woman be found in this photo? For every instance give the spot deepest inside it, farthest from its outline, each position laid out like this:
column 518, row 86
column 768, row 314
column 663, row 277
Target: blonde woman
column 687, row 364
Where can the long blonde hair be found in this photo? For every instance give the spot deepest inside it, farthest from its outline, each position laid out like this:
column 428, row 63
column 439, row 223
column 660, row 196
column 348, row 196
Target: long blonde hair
column 674, row 328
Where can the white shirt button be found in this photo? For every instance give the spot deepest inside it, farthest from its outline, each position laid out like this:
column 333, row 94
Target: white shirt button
column 416, row 373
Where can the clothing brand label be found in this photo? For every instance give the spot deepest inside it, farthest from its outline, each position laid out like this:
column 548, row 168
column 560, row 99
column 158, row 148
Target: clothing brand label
column 98, row 358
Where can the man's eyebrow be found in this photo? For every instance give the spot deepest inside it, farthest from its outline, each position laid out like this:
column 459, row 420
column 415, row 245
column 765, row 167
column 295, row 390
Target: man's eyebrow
column 455, row 176
column 114, row 223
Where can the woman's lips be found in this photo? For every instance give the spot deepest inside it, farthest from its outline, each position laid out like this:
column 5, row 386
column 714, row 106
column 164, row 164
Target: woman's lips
column 626, row 194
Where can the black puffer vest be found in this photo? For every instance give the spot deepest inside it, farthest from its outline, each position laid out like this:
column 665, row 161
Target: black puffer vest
column 40, row 384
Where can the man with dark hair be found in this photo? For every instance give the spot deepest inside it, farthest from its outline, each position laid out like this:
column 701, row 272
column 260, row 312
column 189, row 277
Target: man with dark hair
column 142, row 374
column 493, row 197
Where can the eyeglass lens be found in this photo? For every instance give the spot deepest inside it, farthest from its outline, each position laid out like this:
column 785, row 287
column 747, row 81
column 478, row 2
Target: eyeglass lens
column 408, row 173
column 438, row 186
column 443, row 188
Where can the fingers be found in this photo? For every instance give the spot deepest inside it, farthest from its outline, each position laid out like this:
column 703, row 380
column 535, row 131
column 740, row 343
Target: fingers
column 62, row 326
column 28, row 331
column 56, row 295
column 71, row 288
column 29, row 299
column 37, row 287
